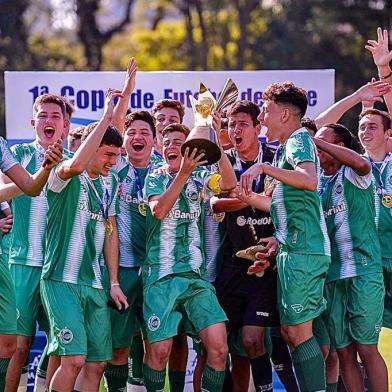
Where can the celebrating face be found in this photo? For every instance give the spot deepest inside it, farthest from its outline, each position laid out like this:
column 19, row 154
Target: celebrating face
column 172, row 143
column 138, row 141
column 371, row 132
column 242, row 133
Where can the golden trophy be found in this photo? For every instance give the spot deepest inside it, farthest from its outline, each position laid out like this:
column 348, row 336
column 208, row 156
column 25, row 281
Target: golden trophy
column 203, row 136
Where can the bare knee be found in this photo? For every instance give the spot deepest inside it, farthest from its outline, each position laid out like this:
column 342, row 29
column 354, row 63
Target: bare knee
column 120, row 355
column 159, row 354
column 367, row 351
column 253, row 345
column 96, row 369
column 73, row 364
column 217, row 355
column 7, row 346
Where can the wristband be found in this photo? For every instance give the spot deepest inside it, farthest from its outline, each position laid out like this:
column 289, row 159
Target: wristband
column 386, row 76
column 114, row 284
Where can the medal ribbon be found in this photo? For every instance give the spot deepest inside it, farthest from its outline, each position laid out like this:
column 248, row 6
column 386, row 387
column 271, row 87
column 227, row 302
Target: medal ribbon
column 381, row 169
column 103, row 205
column 329, row 181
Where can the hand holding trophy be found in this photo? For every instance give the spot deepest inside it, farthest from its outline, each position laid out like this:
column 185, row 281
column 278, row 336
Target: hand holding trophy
column 203, row 136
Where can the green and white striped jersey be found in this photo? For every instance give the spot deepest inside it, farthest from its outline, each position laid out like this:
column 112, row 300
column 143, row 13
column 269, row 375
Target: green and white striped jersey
column 297, row 214
column 27, row 237
column 382, row 178
column 7, row 160
column 348, row 204
column 76, row 227
column 214, row 239
column 175, row 243
column 131, row 223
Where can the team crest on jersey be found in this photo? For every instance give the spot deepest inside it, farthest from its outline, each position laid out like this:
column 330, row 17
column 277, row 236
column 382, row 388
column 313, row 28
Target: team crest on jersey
column 66, row 335
column 338, row 189
column 298, row 308
column 192, row 196
column 241, row 221
column 153, row 323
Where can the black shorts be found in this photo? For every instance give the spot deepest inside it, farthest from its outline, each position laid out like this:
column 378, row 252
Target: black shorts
column 248, row 299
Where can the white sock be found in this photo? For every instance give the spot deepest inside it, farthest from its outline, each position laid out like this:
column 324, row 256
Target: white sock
column 135, row 388
column 39, row 384
column 23, row 382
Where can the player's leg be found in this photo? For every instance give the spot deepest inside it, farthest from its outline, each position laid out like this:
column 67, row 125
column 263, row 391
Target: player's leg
column 300, row 289
column 282, row 362
column 177, row 363
column 365, row 308
column 240, row 367
column 122, row 327
column 206, row 315
column 8, row 325
column 135, row 370
column 387, row 317
column 161, row 321
column 90, row 376
column 28, row 303
column 64, row 378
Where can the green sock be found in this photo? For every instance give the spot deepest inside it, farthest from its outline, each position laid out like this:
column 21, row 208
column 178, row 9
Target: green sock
column 3, row 372
column 332, row 387
column 135, row 372
column 154, row 380
column 309, row 366
column 177, row 381
column 116, row 377
column 212, row 380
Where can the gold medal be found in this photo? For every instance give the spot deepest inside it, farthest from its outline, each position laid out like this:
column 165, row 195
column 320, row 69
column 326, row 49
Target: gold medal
column 386, row 201
column 109, row 227
column 142, row 209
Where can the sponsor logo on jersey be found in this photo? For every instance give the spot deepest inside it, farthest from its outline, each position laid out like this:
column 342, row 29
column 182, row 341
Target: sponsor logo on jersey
column 153, row 323
column 84, row 206
column 66, row 335
column 335, row 209
column 242, row 221
column 178, row 214
column 128, row 198
column 264, row 314
column 298, row 308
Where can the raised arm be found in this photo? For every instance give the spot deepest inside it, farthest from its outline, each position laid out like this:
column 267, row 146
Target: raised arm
column 345, row 156
column 78, row 163
column 120, row 111
column 382, row 57
column 162, row 204
column 370, row 92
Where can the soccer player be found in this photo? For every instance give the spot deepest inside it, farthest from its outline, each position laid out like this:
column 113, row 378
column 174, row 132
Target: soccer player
column 173, row 274
column 32, row 185
column 304, row 251
column 25, row 244
column 139, row 137
column 354, row 287
column 249, row 302
column 165, row 112
column 374, row 132
column 74, row 138
column 81, row 228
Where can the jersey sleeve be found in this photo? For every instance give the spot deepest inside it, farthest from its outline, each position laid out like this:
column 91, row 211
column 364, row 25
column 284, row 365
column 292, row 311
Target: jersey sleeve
column 55, row 183
column 361, row 182
column 7, row 160
column 154, row 185
column 300, row 148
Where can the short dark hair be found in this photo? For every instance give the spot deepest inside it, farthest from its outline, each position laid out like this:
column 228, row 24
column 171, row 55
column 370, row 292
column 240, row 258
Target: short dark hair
column 309, row 123
column 141, row 115
column 176, row 128
column 69, row 108
column 112, row 136
column 385, row 117
column 49, row 98
column 169, row 103
column 77, row 132
column 247, row 107
column 287, row 93
column 344, row 135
